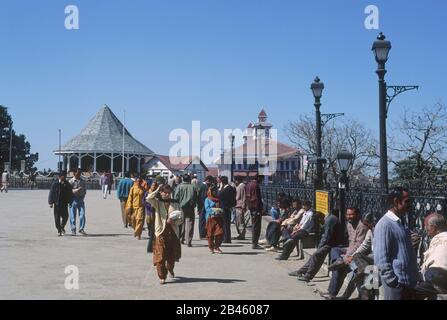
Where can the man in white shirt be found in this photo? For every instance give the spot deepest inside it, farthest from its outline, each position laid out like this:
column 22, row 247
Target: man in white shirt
column 300, row 231
column 434, row 268
column 5, row 181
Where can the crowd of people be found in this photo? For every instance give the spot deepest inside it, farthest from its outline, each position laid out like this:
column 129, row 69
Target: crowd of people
column 354, row 247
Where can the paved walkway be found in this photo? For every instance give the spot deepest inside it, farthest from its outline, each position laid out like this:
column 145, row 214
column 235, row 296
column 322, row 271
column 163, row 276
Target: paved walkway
column 114, row 265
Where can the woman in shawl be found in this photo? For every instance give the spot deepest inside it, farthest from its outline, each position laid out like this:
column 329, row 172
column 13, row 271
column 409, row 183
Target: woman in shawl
column 135, row 203
column 168, row 217
column 214, row 221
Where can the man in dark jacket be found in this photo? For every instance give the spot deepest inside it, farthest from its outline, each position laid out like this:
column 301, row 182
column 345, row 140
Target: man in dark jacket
column 60, row 197
column 254, row 203
column 227, row 196
column 332, row 237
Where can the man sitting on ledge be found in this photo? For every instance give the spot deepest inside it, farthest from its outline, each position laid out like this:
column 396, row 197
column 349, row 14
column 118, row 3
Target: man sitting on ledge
column 300, row 231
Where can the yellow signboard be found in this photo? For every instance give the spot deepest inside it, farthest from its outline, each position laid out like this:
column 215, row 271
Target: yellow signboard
column 322, row 202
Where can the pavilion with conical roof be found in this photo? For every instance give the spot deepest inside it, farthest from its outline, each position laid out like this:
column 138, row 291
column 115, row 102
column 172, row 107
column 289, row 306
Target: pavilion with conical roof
column 100, row 147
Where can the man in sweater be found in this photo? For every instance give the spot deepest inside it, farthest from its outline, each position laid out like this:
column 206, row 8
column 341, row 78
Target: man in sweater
column 332, row 237
column 241, row 207
column 342, row 257
column 122, row 192
column 394, row 254
column 434, row 268
column 186, row 194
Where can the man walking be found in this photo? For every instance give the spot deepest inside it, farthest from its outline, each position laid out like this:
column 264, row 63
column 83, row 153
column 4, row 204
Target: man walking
column 104, row 182
column 122, row 192
column 59, row 198
column 394, row 254
column 253, row 201
column 78, row 205
column 110, row 182
column 5, row 181
column 187, row 196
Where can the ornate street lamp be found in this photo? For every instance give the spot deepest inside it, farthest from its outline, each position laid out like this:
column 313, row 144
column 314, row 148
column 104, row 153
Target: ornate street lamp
column 317, row 91
column 381, row 49
column 344, row 160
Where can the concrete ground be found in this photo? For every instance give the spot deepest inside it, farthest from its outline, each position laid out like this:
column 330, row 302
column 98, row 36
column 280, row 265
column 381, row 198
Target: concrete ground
column 114, row 265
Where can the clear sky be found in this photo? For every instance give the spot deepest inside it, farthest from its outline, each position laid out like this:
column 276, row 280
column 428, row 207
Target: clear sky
column 218, row 61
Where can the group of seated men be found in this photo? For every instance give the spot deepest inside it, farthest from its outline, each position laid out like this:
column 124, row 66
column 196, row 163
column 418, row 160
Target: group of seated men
column 389, row 259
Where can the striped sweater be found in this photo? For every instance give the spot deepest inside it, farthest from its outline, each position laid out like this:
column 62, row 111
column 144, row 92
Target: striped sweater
column 394, row 254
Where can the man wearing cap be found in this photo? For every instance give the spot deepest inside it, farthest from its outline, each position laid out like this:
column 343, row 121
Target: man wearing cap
column 59, row 198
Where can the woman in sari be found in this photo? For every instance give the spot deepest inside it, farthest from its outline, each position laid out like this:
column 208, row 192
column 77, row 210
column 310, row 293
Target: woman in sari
column 168, row 217
column 135, row 206
column 214, row 221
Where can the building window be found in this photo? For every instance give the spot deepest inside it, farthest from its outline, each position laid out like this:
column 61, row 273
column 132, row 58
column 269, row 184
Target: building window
column 287, row 165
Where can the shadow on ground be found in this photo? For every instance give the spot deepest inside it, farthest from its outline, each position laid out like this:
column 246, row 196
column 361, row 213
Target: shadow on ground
column 204, row 280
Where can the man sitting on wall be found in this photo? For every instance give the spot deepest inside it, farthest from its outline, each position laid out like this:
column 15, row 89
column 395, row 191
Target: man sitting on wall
column 299, row 232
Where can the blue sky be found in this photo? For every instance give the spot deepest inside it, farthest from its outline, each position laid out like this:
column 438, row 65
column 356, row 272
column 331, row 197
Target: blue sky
column 218, row 61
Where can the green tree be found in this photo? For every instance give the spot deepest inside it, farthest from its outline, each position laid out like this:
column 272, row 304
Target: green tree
column 21, row 148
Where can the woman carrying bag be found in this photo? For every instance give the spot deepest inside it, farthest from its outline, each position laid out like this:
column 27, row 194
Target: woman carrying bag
column 167, row 219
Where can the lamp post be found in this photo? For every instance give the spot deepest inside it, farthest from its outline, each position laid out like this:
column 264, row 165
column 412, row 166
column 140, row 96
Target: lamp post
column 344, row 160
column 317, row 91
column 381, row 49
column 232, row 137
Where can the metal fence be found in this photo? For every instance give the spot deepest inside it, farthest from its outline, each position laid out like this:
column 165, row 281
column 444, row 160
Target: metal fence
column 44, row 183
column 368, row 200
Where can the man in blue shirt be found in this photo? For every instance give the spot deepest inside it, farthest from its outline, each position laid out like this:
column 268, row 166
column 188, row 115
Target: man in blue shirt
column 122, row 193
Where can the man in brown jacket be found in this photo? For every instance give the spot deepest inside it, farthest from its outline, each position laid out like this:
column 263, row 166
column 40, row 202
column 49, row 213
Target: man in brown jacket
column 253, row 200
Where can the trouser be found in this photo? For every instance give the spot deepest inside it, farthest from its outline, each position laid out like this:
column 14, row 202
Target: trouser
column 357, row 277
column 227, row 225
column 4, row 187
column 202, row 224
column 60, row 216
column 339, row 275
column 104, row 191
column 164, row 267
column 273, row 233
column 151, row 236
column 315, row 262
column 291, row 244
column 435, row 283
column 240, row 217
column 109, row 188
column 187, row 228
column 123, row 202
column 78, row 205
column 400, row 293
column 233, row 216
column 256, row 220
column 138, row 221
